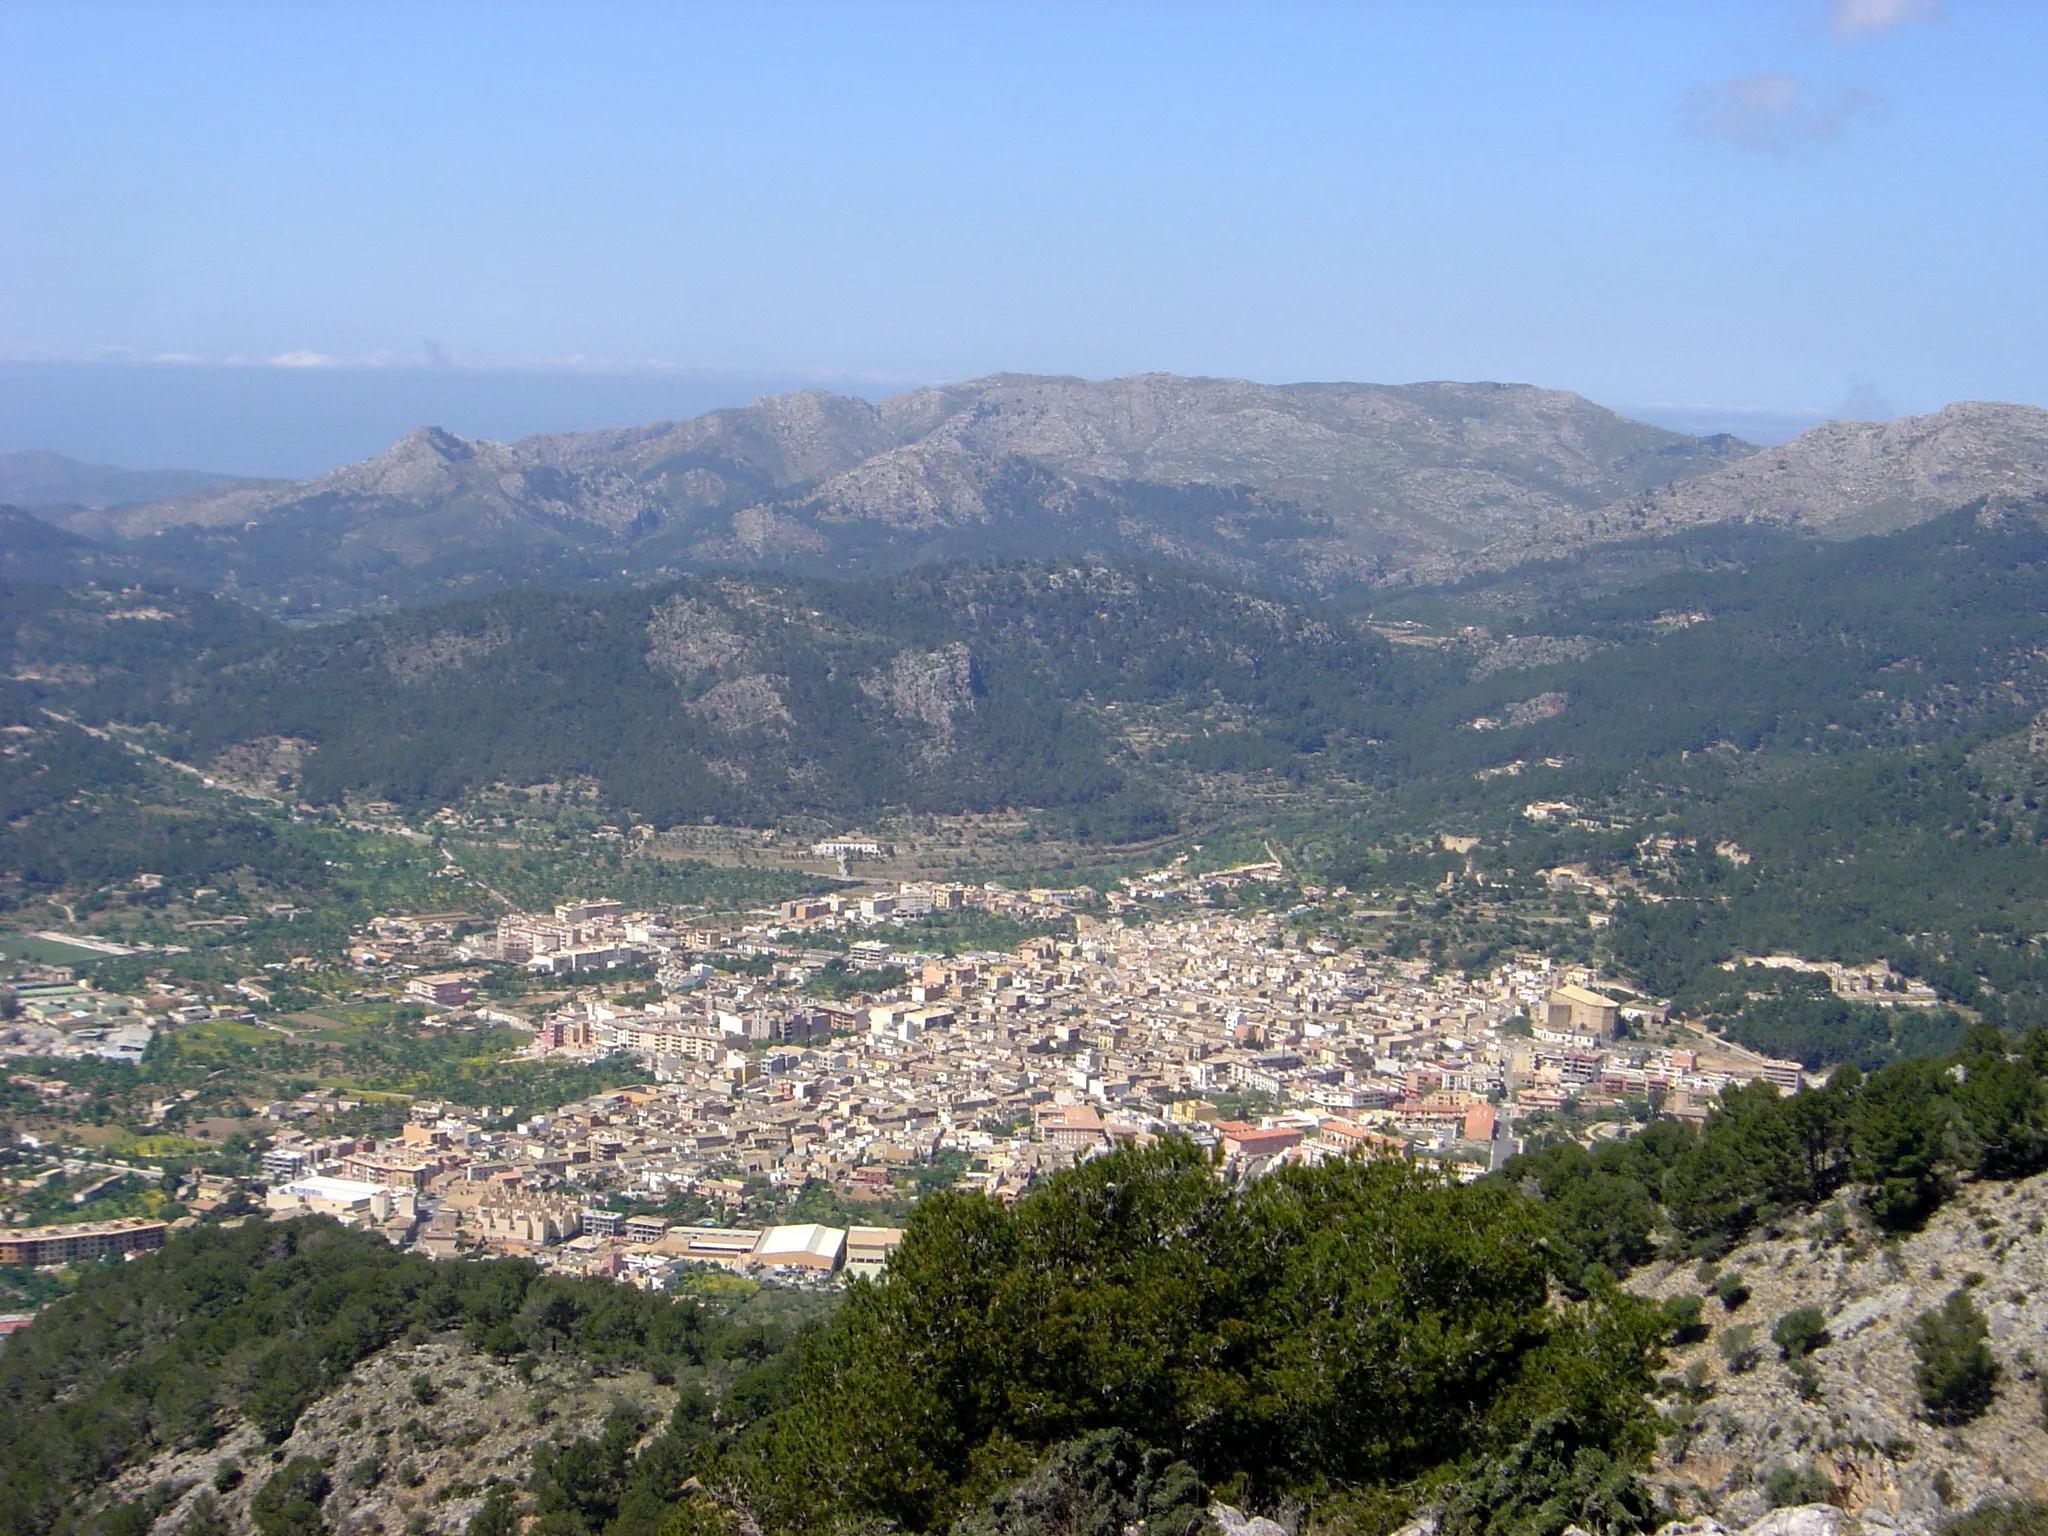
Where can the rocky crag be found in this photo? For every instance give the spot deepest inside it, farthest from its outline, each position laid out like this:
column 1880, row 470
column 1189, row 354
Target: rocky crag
column 410, row 1442
column 1844, row 1424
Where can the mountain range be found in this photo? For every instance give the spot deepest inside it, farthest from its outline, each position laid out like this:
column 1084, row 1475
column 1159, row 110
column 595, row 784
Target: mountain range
column 1307, row 488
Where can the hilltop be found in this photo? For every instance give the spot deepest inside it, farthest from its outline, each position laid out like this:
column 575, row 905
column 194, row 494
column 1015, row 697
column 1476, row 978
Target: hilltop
column 39, row 478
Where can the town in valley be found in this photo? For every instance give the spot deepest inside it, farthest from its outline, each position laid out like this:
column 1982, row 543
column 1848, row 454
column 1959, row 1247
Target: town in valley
column 777, row 1086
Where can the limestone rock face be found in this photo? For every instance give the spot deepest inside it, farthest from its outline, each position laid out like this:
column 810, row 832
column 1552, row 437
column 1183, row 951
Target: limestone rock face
column 749, row 703
column 929, row 687
column 685, row 637
column 1850, row 1419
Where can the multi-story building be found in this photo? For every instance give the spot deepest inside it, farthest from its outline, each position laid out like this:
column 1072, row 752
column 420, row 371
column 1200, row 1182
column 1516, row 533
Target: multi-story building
column 35, row 1247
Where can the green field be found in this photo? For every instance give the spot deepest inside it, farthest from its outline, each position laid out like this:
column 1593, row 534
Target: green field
column 23, row 946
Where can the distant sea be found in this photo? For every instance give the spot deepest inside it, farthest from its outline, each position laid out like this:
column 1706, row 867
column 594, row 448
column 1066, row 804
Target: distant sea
column 1750, row 423
column 300, row 422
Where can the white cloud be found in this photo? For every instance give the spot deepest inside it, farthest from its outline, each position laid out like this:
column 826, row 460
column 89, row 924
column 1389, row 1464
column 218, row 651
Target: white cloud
column 1852, row 19
column 1772, row 112
column 302, row 359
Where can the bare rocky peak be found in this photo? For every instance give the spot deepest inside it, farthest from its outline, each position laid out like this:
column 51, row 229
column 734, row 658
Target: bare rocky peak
column 1317, row 436
column 1428, row 474
column 785, row 439
column 1854, row 477
column 483, row 484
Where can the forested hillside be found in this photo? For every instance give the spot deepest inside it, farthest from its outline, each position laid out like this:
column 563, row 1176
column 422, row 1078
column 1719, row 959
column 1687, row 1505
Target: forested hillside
column 1359, row 1337
column 956, row 688
column 1822, row 749
column 1829, row 752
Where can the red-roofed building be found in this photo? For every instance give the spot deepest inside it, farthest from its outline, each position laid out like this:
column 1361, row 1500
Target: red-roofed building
column 1350, row 1136
column 1250, row 1143
column 1074, row 1126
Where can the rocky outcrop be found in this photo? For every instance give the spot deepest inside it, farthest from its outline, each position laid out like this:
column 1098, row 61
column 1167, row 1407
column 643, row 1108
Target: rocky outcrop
column 686, row 637
column 421, row 659
column 749, row 703
column 408, row 1441
column 928, row 688
column 1519, row 653
column 1847, row 1421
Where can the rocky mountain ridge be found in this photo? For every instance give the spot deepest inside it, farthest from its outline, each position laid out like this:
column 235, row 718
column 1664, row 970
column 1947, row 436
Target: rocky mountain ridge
column 1310, row 488
column 1844, row 478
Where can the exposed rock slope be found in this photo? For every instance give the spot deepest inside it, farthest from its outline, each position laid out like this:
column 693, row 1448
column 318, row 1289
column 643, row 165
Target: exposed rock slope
column 1853, row 477
column 1856, row 1430
column 397, row 1463
column 1309, row 485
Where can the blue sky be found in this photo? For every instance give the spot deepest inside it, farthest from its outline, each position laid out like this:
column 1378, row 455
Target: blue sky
column 1726, row 204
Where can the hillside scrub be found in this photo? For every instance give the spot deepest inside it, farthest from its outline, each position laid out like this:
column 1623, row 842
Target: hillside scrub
column 259, row 1322
column 1902, row 1136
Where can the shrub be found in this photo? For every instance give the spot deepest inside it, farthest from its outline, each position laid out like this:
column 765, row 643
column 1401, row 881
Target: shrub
column 289, row 1504
column 498, row 1515
column 1802, row 1483
column 1739, row 1348
column 1956, row 1373
column 1103, row 1484
column 1799, row 1333
column 424, row 1392
column 1732, row 1290
column 1682, row 1317
column 2006, row 1518
column 203, row 1517
column 1549, row 1481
